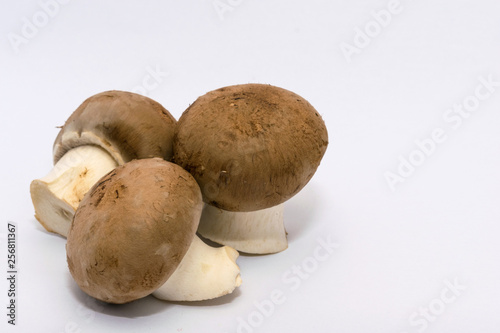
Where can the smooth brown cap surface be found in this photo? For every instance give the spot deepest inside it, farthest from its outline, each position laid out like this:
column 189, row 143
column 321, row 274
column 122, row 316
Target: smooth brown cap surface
column 128, row 125
column 250, row 146
column 132, row 230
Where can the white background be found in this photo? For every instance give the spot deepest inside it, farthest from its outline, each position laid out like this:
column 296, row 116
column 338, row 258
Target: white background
column 398, row 251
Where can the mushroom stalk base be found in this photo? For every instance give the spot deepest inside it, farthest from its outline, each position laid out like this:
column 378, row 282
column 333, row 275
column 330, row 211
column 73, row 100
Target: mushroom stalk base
column 204, row 273
column 57, row 195
column 257, row 232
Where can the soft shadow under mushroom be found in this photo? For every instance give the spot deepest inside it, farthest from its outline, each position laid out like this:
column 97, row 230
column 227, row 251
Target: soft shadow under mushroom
column 143, row 307
column 300, row 212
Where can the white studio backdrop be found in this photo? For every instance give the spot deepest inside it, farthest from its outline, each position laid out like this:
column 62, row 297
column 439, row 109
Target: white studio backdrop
column 397, row 231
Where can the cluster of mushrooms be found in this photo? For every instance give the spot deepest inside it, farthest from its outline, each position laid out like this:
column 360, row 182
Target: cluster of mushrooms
column 136, row 192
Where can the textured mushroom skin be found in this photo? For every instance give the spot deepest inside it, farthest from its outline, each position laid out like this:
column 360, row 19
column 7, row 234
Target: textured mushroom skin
column 132, row 230
column 128, row 125
column 243, row 141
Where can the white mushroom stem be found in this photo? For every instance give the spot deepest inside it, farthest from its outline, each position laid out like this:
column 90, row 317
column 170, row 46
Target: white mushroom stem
column 204, row 273
column 257, row 232
column 57, row 195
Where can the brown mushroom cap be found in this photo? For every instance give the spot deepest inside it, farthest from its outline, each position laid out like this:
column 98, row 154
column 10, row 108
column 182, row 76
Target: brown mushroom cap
column 127, row 125
column 132, row 230
column 250, row 146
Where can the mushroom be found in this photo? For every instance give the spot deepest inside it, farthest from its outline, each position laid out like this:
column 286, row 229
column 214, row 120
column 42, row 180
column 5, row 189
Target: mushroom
column 250, row 147
column 133, row 233
column 107, row 129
